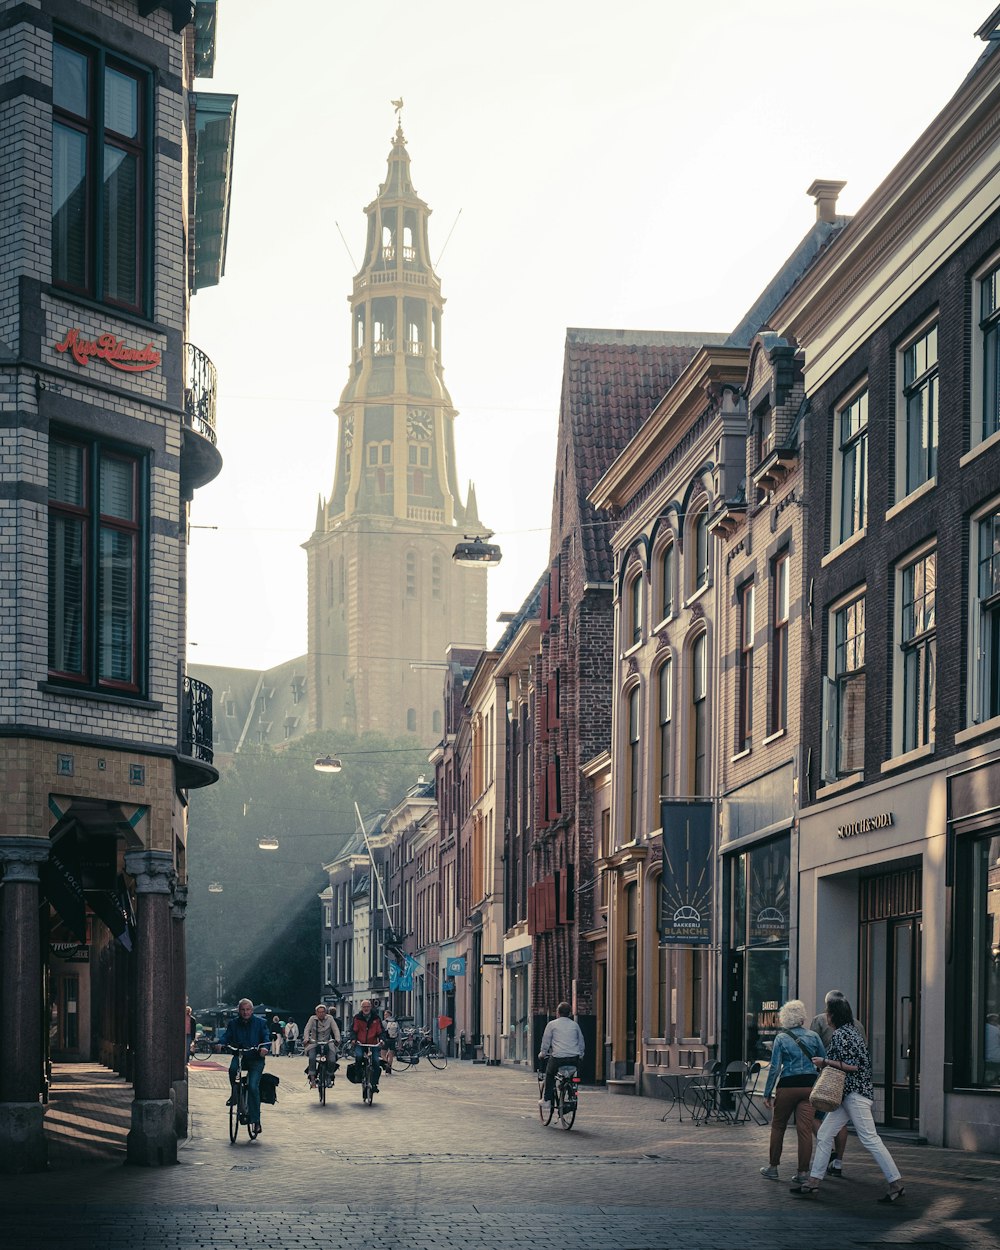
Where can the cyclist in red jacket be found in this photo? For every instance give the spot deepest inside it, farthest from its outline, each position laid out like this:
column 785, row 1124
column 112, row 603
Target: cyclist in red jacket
column 367, row 1029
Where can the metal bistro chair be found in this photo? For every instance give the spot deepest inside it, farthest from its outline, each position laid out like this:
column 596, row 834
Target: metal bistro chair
column 746, row 1109
column 730, row 1086
column 675, row 1085
column 701, row 1093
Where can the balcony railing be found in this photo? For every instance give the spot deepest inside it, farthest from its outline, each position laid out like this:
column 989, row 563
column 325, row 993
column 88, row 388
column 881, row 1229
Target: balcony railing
column 196, row 721
column 199, row 392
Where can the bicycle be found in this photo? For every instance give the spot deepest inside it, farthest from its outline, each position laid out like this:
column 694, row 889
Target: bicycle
column 370, row 1067
column 566, row 1100
column 416, row 1046
column 203, row 1045
column 241, row 1090
column 324, row 1072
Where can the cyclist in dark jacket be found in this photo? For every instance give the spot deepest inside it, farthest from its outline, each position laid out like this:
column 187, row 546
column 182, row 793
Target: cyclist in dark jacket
column 251, row 1033
column 367, row 1029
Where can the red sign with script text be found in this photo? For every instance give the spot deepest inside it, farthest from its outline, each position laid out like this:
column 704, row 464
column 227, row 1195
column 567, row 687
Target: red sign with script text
column 111, row 350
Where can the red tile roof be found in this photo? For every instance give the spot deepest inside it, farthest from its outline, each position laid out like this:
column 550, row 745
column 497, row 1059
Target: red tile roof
column 612, row 381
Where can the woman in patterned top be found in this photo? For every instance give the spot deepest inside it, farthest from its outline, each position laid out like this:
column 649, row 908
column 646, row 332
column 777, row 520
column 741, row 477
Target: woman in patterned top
column 848, row 1052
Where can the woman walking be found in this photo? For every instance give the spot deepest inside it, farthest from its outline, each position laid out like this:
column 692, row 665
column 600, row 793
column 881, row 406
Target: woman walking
column 849, row 1053
column 794, row 1073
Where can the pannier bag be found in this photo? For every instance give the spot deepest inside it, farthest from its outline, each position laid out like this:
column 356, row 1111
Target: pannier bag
column 354, row 1073
column 269, row 1088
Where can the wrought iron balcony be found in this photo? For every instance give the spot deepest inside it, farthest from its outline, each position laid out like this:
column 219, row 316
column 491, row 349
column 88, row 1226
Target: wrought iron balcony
column 197, row 752
column 200, row 382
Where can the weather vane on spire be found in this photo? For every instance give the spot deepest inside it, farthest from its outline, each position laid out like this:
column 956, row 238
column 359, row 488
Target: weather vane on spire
column 398, row 106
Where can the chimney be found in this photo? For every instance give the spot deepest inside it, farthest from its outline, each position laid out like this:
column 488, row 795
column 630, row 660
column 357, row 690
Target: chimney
column 825, row 194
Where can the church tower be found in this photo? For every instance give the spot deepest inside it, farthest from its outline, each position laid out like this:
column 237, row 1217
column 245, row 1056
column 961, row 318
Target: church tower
column 385, row 596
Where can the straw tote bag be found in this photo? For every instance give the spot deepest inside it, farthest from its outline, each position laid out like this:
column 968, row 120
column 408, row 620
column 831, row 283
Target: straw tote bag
column 828, row 1092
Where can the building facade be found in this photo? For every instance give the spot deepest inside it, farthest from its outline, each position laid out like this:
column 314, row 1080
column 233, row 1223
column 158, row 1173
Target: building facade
column 384, row 592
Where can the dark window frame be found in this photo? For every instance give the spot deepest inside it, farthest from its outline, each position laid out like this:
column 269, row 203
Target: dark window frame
column 780, row 619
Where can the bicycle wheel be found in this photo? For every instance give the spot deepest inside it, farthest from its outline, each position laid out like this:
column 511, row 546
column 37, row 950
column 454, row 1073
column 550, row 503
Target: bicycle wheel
column 567, row 1105
column 544, row 1110
column 202, row 1047
column 321, row 1084
column 234, row 1120
column 367, row 1092
column 435, row 1057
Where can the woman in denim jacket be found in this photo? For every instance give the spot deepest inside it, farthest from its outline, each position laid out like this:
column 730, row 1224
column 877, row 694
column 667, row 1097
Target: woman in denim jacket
column 793, row 1071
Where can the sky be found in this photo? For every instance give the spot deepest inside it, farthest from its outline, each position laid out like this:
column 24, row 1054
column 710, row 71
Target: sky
column 640, row 165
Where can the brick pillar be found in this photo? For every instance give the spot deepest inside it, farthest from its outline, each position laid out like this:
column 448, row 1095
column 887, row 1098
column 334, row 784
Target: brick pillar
column 152, row 1139
column 178, row 1043
column 22, row 1138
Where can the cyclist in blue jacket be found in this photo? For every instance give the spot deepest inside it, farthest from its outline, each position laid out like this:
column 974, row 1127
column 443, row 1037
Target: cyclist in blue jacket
column 249, row 1032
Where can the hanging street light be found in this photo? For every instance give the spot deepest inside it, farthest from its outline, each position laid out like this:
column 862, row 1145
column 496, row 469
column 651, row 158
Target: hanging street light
column 328, row 764
column 476, row 550
column 215, row 887
column 267, row 844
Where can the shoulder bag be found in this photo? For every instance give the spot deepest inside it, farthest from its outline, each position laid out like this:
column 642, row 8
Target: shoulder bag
column 828, row 1092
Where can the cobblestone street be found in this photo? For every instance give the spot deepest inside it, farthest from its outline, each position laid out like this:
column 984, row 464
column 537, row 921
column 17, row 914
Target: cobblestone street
column 459, row 1158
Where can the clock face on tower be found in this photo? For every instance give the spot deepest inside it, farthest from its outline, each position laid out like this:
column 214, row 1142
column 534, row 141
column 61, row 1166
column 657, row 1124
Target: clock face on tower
column 419, row 422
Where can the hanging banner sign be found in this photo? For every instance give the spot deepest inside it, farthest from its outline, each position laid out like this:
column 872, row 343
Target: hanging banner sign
column 686, row 885
column 455, row 967
column 113, row 351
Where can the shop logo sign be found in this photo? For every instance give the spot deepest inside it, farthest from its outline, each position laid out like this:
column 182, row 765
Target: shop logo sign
column 111, row 350
column 882, row 821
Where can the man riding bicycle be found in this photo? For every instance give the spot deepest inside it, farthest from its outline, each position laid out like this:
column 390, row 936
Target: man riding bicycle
column 562, row 1044
column 367, row 1029
column 249, row 1033
column 320, row 1030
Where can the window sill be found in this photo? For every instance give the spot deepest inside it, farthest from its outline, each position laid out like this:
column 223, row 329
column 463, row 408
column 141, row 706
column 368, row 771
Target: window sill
column 698, row 594
column 740, row 755
column 911, row 498
column 979, row 449
column 661, row 624
column 835, row 787
column 908, row 757
column 631, row 650
column 990, row 726
column 778, row 733
column 99, row 696
column 846, row 545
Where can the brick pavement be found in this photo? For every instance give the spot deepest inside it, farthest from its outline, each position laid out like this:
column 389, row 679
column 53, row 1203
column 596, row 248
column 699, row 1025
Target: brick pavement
column 459, row 1158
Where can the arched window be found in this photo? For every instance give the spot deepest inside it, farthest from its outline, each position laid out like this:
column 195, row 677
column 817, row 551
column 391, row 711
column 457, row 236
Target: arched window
column 632, row 766
column 699, row 550
column 699, row 719
column 437, row 576
column 668, row 576
column 411, row 719
column 436, row 720
column 411, row 574
column 665, row 718
column 633, row 628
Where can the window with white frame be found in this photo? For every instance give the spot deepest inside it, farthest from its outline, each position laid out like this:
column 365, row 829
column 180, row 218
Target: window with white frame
column 632, row 765
column 779, row 643
column 698, row 771
column 916, row 665
column 918, row 424
column 851, row 505
column 633, row 628
column 698, row 549
column 989, row 346
column 668, row 575
column 744, row 710
column 844, row 692
column 665, row 702
column 985, row 618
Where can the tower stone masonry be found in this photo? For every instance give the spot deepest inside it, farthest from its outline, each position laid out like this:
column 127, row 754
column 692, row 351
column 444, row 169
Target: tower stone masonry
column 385, row 597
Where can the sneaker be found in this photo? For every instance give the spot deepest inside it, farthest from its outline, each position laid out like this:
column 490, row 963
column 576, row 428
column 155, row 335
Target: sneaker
column 836, row 1168
column 771, row 1174
column 231, row 1101
column 257, row 1128
column 800, row 1178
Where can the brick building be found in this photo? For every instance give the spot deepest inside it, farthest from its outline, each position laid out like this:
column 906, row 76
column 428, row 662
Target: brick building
column 114, row 212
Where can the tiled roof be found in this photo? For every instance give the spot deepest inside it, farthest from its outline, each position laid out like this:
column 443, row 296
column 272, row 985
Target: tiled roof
column 612, row 381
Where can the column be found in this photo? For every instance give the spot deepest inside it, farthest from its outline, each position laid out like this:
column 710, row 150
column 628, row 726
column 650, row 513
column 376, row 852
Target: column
column 22, row 1137
column 178, row 1043
column 152, row 1139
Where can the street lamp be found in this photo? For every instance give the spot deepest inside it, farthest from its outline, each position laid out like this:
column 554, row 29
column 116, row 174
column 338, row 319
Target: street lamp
column 215, row 887
column 328, row 764
column 267, row 844
column 476, row 550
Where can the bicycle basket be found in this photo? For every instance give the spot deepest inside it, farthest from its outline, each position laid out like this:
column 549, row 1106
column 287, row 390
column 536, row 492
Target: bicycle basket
column 269, row 1088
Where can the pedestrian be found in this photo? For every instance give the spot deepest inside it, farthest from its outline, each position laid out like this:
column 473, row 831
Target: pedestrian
column 792, row 1070
column 249, row 1032
column 291, row 1036
column 190, row 1027
column 849, row 1053
column 277, row 1033
column 819, row 1024
column 390, row 1037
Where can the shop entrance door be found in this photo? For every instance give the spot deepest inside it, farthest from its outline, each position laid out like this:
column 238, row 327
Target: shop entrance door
column 891, row 932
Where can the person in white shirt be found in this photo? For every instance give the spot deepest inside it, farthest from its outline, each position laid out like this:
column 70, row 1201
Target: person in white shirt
column 562, row 1044
column 291, row 1037
column 321, row 1030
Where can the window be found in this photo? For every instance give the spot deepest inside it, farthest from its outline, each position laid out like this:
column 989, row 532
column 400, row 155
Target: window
column 634, row 628
column 779, row 644
column 852, row 453
column 411, row 574
column 411, row 719
column 920, row 415
column 844, row 695
column 918, row 651
column 744, row 725
column 664, row 717
column 632, row 814
column 100, row 191
column 437, row 576
column 95, row 563
column 979, row 998
column 699, row 720
column 698, row 570
column 985, row 615
column 667, row 576
column 989, row 320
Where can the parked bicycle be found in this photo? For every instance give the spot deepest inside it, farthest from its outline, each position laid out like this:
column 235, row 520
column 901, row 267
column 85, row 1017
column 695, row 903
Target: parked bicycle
column 241, row 1091
column 203, row 1045
column 566, row 1099
column 417, row 1045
